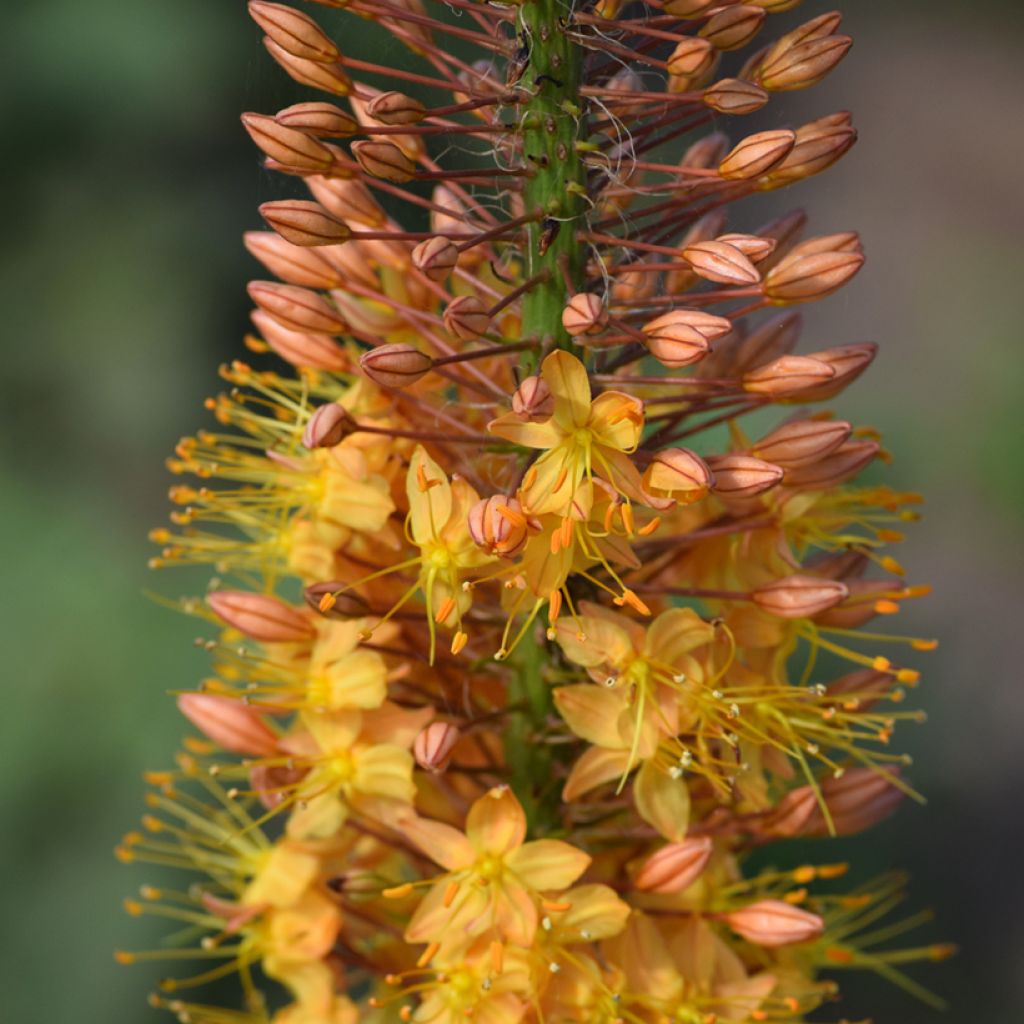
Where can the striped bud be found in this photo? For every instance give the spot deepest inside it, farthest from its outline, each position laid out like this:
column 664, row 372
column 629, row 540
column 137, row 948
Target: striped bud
column 466, row 317
column 384, row 160
column 678, row 473
column 498, row 525
column 804, row 278
column 860, row 798
column 229, row 723
column 395, row 108
column 774, row 923
column 315, row 351
column 799, row 597
column 787, row 375
column 742, row 476
column 752, row 246
column 395, row 366
column 287, row 145
column 674, row 342
column 862, row 689
column 304, row 223
column 691, row 58
column 293, row 31
column 323, row 119
column 704, row 154
column 845, row 462
column 328, row 426
column 533, row 399
column 773, row 338
column 674, row 867
column 584, row 314
column 860, row 607
column 801, row 441
column 721, row 262
column 349, row 200
column 731, row 28
column 848, row 362
column 330, row 78
column 818, row 147
column 799, row 66
column 687, row 8
column 757, row 154
column 296, row 308
column 434, row 744
column 292, row 263
column 261, row 617
column 735, row 96
column 436, row 257
column 793, row 813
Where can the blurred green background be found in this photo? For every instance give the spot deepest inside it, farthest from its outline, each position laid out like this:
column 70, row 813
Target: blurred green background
column 129, row 182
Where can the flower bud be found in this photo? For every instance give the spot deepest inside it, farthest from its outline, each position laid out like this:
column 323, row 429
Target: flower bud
column 348, row 200
column 691, row 58
column 287, row 145
column 384, row 160
column 292, row 263
column 330, row 599
column 787, row 375
column 261, row 617
column 841, row 241
column 436, row 257
column 756, row 154
column 774, row 923
column 859, row 608
column 799, row 66
column 752, row 246
column 304, row 223
column 323, row 119
column 293, row 31
column 817, row 148
column 845, row 462
column 731, row 28
column 584, row 314
column 395, row 366
column 848, row 362
column 786, row 231
column 801, row 441
column 674, row 342
column 793, row 813
column 297, row 308
column 861, row 689
column 395, row 108
column 860, row 798
column 328, row 426
column 498, row 525
column 742, row 476
column 466, row 317
column 316, row 351
column 721, row 262
column 705, row 153
column 533, row 399
column 434, row 744
column 327, row 77
column 735, row 96
column 687, row 8
column 800, row 278
column 679, row 473
column 799, row 597
column 674, row 867
column 774, row 337
column 229, row 723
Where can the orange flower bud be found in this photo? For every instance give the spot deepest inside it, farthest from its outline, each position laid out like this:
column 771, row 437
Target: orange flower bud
column 687, row 8
column 721, row 262
column 291, row 263
column 395, row 366
column 674, row 867
column 735, row 96
column 498, row 525
column 533, row 399
column 742, row 476
column 797, row 67
column 287, row 145
column 323, row 119
column 773, row 338
column 316, row 74
column 434, row 744
column 859, row 608
column 349, row 200
column 584, row 314
column 790, row 817
column 848, row 361
column 674, row 342
column 328, row 426
column 229, row 723
column 860, row 798
column 466, row 317
column 841, row 241
column 691, row 58
column 817, row 148
column 801, row 441
column 787, row 375
column 799, row 597
column 297, row 308
column 731, row 28
column 395, row 108
column 845, row 462
column 293, row 31
column 752, row 246
column 316, row 351
column 436, row 257
column 384, row 160
column 774, row 923
column 862, row 689
column 757, row 154
column 260, row 616
column 678, row 471
column 304, row 223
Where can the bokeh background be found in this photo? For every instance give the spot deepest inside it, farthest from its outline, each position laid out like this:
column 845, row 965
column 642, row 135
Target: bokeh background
column 128, row 184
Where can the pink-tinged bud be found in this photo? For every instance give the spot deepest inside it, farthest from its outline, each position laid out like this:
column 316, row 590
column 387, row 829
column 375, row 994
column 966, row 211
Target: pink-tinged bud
column 757, row 154
column 735, row 96
column 674, row 867
column 742, row 476
column 845, row 462
column 799, row 597
column 752, row 246
column 384, row 160
column 774, row 923
column 691, row 58
column 704, row 154
column 706, row 228
column 330, row 599
column 272, row 783
column 466, row 317
column 721, row 262
column 395, row 366
column 799, row 66
column 584, row 314
column 862, row 689
column 287, row 145
column 786, row 376
column 533, row 399
column 349, row 200
column 841, row 241
column 304, row 223
column 436, row 257
column 773, row 338
column 293, row 31
column 395, row 108
column 859, row 799
column 733, row 27
column 330, row 78
column 786, row 230
column 291, row 263
column 817, row 148
column 801, row 442
column 297, row 308
column 498, row 525
column 433, row 746
column 229, row 723
column 793, row 813
column 776, row 6
column 848, row 361
column 678, row 472
column 687, row 8
column 323, row 119
column 800, row 278
column 860, row 607
column 260, row 616
column 674, row 342
column 316, row 351
column 328, row 426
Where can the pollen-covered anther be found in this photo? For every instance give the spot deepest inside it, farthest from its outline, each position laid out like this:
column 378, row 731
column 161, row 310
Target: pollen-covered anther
column 533, row 399
column 395, row 108
column 585, row 313
column 799, row 597
column 298, row 309
column 304, row 222
column 384, row 160
column 433, row 746
column 328, row 426
column 436, row 257
column 721, row 262
column 674, row 867
column 742, row 476
column 774, row 923
column 498, row 525
column 396, row 365
column 293, row 31
column 787, row 376
column 466, row 317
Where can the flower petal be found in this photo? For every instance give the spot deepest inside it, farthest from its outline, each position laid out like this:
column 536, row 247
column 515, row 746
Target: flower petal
column 595, row 912
column 443, row 844
column 496, row 823
column 616, row 420
column 514, row 428
column 662, row 801
column 548, row 864
column 570, row 386
column 593, row 768
column 592, row 713
column 430, row 497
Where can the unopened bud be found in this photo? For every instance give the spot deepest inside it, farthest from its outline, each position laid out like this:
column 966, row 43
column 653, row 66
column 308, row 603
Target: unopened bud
column 292, row 263
column 436, row 257
column 328, row 426
column 297, row 308
column 774, row 923
column 687, row 8
column 395, row 366
column 799, row 66
column 434, row 744
column 735, row 96
column 721, row 262
column 705, row 153
column 584, row 314
column 817, row 148
column 678, row 473
column 742, row 476
column 801, row 441
column 384, row 160
column 674, row 342
column 260, row 616
column 395, row 108
column 859, row 608
column 753, row 247
column 327, row 77
column 799, row 597
column 229, row 723
column 800, row 278
column 845, row 462
column 316, row 351
column 533, row 399
column 786, row 230
column 691, row 58
column 294, row 31
column 848, row 362
column 498, row 525
column 304, row 223
column 330, row 598
column 757, row 154
column 731, row 28
column 841, row 241
column 787, row 375
column 466, row 317
column 791, row 816
column 323, row 119
column 860, row 798
column 287, row 145
column 348, row 200
column 674, row 867
column 773, row 338
column 862, row 689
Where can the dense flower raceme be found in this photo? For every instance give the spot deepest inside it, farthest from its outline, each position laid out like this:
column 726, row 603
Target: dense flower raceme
column 529, row 619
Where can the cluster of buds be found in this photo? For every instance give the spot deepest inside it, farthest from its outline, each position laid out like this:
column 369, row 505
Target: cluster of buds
column 522, row 634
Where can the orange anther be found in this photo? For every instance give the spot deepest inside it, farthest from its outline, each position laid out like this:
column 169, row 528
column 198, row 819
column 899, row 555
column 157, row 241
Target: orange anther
column 459, row 641
column 554, row 605
column 327, row 602
column 649, row 528
column 428, row 954
column 886, row 607
column 446, row 608
column 450, row 893
column 563, row 475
